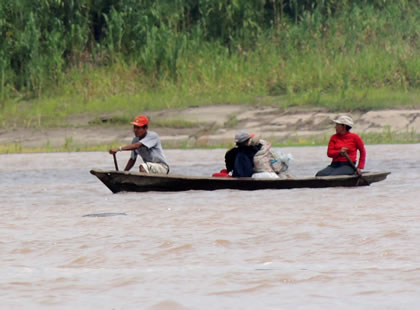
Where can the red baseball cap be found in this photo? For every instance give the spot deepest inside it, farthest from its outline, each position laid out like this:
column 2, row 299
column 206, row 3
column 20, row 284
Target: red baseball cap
column 140, row 121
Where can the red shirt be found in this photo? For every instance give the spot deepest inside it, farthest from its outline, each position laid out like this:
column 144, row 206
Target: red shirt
column 353, row 142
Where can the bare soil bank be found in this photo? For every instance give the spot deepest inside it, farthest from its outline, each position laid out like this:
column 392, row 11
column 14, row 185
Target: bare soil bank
column 216, row 125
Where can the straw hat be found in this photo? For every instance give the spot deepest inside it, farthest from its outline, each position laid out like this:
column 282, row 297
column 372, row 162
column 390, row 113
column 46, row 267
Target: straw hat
column 344, row 120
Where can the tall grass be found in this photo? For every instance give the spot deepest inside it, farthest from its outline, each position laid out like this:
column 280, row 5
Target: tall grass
column 59, row 58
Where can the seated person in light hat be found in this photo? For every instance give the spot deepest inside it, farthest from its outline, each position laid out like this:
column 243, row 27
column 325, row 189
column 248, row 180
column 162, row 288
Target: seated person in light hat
column 240, row 159
column 341, row 143
column 147, row 145
column 255, row 159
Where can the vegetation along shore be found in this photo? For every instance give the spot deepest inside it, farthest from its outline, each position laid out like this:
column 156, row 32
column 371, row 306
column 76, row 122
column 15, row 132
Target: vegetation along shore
column 82, row 69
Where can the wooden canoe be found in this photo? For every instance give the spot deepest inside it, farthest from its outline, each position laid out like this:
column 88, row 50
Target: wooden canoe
column 121, row 181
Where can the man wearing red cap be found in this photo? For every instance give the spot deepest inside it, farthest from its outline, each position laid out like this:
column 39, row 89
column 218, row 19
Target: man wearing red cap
column 147, row 145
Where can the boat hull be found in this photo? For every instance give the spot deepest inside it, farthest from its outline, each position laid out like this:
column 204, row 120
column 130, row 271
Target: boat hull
column 121, row 181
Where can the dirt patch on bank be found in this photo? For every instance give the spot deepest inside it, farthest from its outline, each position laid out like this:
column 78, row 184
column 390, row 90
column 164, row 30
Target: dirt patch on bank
column 216, row 125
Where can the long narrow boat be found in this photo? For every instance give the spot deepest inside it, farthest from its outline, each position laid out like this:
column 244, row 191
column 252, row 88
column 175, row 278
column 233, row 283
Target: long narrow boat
column 121, row 181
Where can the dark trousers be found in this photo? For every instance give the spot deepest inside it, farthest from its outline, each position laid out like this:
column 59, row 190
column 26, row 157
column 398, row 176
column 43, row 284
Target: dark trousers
column 337, row 168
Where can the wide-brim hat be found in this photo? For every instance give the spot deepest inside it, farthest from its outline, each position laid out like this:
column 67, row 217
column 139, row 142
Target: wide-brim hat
column 242, row 136
column 344, row 120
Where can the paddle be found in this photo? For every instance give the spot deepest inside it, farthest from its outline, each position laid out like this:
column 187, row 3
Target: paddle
column 115, row 162
column 355, row 169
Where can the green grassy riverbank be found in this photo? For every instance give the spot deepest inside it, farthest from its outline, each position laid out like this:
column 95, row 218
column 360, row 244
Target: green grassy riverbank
column 62, row 62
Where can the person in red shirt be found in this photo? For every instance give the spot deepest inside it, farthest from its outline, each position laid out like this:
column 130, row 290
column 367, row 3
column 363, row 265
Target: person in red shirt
column 344, row 142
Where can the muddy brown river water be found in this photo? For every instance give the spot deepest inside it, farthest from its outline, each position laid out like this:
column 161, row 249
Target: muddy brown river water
column 69, row 243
